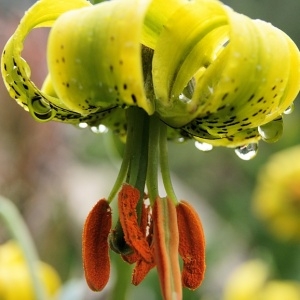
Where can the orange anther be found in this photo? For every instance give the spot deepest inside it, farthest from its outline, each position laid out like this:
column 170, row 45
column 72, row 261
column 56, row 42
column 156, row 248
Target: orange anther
column 191, row 245
column 96, row 261
column 134, row 236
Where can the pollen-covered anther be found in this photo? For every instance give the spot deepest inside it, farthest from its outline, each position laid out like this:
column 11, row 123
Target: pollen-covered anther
column 95, row 247
column 191, row 245
column 133, row 234
column 142, row 266
column 141, row 269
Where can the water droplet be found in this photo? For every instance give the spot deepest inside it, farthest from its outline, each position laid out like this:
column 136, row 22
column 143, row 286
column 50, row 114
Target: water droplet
column 99, row 129
column 188, row 91
column 183, row 98
column 272, row 131
column 83, row 125
column 247, row 152
column 40, row 108
column 211, row 89
column 203, row 146
column 290, row 109
column 180, row 139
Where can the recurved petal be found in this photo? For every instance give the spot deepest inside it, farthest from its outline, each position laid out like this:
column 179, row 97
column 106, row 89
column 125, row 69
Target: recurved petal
column 15, row 70
column 94, row 57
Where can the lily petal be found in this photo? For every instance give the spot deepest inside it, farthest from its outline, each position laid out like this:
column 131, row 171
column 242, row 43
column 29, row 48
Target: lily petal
column 16, row 72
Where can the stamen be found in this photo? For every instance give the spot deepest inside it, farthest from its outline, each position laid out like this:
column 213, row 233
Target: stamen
column 134, row 236
column 166, row 248
column 96, row 261
column 191, row 245
column 141, row 269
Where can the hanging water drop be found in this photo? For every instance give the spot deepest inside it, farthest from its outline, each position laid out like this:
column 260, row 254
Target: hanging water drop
column 247, row 152
column 83, row 125
column 290, row 109
column 99, row 129
column 272, row 131
column 180, row 140
column 203, row 146
column 40, row 108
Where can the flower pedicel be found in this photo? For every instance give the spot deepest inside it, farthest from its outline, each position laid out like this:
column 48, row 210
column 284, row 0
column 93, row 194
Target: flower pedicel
column 152, row 71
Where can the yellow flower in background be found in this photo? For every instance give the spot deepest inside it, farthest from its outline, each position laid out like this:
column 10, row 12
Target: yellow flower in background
column 251, row 281
column 246, row 281
column 276, row 199
column 15, row 280
column 278, row 290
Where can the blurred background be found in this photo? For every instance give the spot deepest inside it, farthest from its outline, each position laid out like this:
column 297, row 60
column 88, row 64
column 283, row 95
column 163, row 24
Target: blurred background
column 55, row 173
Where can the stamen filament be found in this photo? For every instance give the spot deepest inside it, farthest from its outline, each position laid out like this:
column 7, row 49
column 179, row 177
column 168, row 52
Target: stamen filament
column 164, row 164
column 138, row 139
column 152, row 182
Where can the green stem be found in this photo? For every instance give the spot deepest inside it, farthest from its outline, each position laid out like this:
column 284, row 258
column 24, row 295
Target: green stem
column 18, row 229
column 123, row 272
column 121, row 175
column 152, row 182
column 138, row 139
column 164, row 164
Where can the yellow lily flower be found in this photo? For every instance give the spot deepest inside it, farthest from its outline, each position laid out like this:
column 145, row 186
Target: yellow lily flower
column 251, row 281
column 222, row 82
column 152, row 71
column 15, row 280
column 276, row 197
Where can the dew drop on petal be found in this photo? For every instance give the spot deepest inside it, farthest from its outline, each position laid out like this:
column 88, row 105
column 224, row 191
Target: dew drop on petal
column 272, row 131
column 83, row 125
column 99, row 129
column 290, row 109
column 203, row 146
column 247, row 152
column 183, row 98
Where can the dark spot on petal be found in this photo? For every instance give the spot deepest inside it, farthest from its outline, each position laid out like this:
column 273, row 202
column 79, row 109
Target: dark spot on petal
column 221, row 107
column 251, row 97
column 224, row 96
column 133, row 97
column 260, row 99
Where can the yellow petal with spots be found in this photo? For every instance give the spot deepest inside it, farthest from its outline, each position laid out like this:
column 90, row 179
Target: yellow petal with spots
column 15, row 70
column 94, row 57
column 225, row 77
